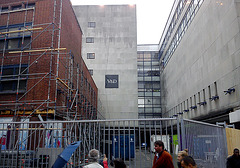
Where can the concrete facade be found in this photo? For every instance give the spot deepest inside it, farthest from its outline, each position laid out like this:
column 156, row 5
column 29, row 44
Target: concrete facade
column 110, row 37
column 201, row 70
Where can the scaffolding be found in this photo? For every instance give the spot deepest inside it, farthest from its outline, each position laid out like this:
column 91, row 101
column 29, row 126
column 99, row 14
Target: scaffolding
column 37, row 75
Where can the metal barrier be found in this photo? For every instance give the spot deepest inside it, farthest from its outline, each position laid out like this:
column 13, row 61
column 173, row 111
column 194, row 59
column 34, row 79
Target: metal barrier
column 206, row 143
column 38, row 144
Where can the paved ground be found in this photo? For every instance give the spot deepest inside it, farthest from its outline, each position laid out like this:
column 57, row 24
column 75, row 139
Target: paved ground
column 143, row 159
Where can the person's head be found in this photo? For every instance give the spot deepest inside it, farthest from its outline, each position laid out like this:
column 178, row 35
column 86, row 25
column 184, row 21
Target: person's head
column 182, row 154
column 159, row 146
column 105, row 155
column 188, row 162
column 119, row 163
column 236, row 152
column 93, row 155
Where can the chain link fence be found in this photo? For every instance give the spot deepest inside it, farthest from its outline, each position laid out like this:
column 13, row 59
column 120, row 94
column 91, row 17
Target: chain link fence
column 206, row 143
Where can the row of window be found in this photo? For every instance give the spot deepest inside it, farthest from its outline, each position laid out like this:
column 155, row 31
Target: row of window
column 148, row 89
column 12, row 28
column 147, row 56
column 149, row 115
column 149, row 109
column 148, row 73
column 148, row 84
column 153, row 101
column 13, row 41
column 181, row 5
column 192, row 8
column 142, row 84
column 11, row 76
column 153, row 94
column 17, row 7
column 90, row 40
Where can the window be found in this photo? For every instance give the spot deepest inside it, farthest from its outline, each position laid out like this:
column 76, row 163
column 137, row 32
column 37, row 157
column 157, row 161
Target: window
column 209, row 92
column 90, row 55
column 89, row 40
column 195, row 101
column 15, row 43
column 4, row 9
column 30, row 5
column 1, row 44
column 91, row 72
column 193, row 7
column 216, row 91
column 17, row 7
column 9, row 78
column 14, row 40
column 92, row 24
column 204, row 96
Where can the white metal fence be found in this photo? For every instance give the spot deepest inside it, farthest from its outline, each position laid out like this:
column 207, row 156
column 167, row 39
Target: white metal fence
column 206, row 143
column 38, row 144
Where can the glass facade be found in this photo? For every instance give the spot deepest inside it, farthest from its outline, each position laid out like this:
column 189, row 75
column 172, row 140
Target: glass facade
column 149, row 105
column 190, row 8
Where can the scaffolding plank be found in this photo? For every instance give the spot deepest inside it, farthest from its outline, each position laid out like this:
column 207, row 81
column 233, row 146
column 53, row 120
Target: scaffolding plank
column 17, row 31
column 19, row 10
column 40, row 50
column 64, row 83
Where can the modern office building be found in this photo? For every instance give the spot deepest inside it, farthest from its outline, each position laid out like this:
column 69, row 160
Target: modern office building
column 149, row 103
column 42, row 73
column 110, row 51
column 200, row 61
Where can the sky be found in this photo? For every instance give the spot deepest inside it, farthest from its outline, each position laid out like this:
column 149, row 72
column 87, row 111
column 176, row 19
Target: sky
column 152, row 16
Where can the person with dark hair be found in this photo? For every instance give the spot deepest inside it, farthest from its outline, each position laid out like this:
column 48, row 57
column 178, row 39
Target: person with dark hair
column 234, row 160
column 188, row 162
column 162, row 158
column 119, row 163
column 93, row 159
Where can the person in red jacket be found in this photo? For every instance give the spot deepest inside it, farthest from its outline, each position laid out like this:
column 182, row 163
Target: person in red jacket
column 162, row 158
column 105, row 163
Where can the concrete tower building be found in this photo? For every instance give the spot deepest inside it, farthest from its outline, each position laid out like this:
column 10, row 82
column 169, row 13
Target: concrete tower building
column 200, row 58
column 110, row 51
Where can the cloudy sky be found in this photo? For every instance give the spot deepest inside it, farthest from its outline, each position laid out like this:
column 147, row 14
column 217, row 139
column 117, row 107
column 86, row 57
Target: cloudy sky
column 151, row 16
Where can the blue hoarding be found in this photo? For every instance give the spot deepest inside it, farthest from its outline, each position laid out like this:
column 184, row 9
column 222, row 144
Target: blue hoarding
column 126, row 145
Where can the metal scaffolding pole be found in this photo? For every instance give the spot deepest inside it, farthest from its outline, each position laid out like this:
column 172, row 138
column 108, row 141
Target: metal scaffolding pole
column 68, row 95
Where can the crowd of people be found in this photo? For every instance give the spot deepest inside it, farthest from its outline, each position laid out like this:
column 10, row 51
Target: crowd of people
column 162, row 159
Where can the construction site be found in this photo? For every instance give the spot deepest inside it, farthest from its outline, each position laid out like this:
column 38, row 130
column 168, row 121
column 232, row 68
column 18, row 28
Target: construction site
column 49, row 101
column 43, row 76
column 42, row 72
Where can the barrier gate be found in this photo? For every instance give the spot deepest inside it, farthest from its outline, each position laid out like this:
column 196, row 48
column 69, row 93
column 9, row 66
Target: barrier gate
column 38, row 144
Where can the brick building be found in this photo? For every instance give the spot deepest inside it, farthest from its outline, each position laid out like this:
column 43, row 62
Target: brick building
column 42, row 71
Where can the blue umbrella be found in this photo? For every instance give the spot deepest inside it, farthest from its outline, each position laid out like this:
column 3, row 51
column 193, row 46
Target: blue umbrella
column 64, row 157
